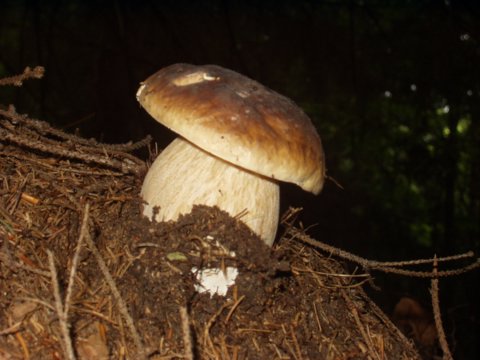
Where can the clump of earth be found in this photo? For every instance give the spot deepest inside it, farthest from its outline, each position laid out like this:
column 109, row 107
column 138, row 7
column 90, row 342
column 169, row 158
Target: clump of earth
column 288, row 301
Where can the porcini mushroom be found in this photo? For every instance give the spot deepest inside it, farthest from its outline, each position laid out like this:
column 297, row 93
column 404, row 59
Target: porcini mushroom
column 237, row 140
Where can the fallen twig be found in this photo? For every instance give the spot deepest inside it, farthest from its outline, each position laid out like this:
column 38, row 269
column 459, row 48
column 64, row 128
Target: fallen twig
column 117, row 296
column 39, row 135
column 76, row 257
column 388, row 267
column 17, row 80
column 438, row 317
column 187, row 336
column 11, row 329
column 61, row 313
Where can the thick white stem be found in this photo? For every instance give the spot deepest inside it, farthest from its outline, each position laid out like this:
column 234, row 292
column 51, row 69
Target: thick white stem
column 184, row 175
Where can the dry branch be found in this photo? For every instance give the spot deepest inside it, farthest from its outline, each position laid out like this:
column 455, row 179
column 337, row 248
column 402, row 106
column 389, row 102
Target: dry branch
column 117, row 296
column 61, row 313
column 187, row 336
column 438, row 316
column 387, row 267
column 17, row 80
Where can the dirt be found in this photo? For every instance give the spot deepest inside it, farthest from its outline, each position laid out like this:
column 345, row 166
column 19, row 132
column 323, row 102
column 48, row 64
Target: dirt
column 288, row 302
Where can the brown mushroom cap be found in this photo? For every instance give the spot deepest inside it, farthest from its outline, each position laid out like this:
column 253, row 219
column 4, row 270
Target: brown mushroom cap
column 238, row 120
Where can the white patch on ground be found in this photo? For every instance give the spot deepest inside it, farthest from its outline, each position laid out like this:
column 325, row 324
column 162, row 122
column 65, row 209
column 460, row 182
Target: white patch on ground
column 148, row 211
column 215, row 281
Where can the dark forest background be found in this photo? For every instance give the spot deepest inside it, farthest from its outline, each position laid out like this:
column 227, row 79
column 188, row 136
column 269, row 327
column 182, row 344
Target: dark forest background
column 392, row 86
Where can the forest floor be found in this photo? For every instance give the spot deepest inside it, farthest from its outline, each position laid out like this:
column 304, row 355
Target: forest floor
column 84, row 275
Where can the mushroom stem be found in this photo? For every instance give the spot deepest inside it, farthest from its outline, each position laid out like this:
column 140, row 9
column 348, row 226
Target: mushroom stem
column 184, row 175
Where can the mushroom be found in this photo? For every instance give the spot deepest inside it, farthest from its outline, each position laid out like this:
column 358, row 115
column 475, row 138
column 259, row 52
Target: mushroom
column 237, row 140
